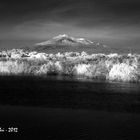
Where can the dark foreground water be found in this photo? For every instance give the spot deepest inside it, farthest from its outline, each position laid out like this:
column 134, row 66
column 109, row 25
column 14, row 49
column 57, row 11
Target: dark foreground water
column 67, row 108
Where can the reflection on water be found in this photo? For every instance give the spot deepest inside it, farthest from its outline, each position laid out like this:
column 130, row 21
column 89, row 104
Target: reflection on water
column 109, row 86
column 98, row 84
column 66, row 92
column 66, row 108
column 131, row 88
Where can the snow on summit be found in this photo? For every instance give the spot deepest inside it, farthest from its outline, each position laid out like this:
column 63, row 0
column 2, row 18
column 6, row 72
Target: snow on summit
column 65, row 42
column 65, row 39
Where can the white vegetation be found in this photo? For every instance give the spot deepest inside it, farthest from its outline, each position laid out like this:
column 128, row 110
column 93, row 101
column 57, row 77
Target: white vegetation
column 13, row 67
column 123, row 72
column 125, row 67
column 83, row 69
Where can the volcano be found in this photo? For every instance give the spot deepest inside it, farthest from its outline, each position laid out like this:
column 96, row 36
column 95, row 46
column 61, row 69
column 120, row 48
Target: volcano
column 65, row 43
column 65, row 40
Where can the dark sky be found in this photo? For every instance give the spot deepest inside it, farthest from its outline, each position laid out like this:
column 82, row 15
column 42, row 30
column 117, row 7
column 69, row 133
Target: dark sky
column 97, row 19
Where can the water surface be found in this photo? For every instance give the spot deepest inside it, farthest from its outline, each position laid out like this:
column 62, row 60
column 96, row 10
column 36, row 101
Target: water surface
column 65, row 108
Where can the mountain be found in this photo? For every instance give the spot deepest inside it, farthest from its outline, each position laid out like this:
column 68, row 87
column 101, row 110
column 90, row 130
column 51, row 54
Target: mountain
column 65, row 40
column 64, row 43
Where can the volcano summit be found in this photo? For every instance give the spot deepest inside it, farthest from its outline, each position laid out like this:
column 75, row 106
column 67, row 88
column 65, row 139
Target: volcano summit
column 66, row 42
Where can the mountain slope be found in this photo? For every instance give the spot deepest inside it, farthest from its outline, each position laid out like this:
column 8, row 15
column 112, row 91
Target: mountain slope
column 65, row 43
column 66, row 40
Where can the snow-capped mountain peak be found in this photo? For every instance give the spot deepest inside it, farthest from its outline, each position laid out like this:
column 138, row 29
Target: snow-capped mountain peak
column 65, row 39
column 76, row 40
column 61, row 36
column 66, row 42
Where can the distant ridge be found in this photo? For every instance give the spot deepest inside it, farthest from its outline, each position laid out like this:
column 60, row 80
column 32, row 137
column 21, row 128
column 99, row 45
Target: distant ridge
column 63, row 41
column 66, row 40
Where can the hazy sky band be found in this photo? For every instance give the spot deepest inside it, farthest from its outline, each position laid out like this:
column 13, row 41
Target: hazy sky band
column 31, row 19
